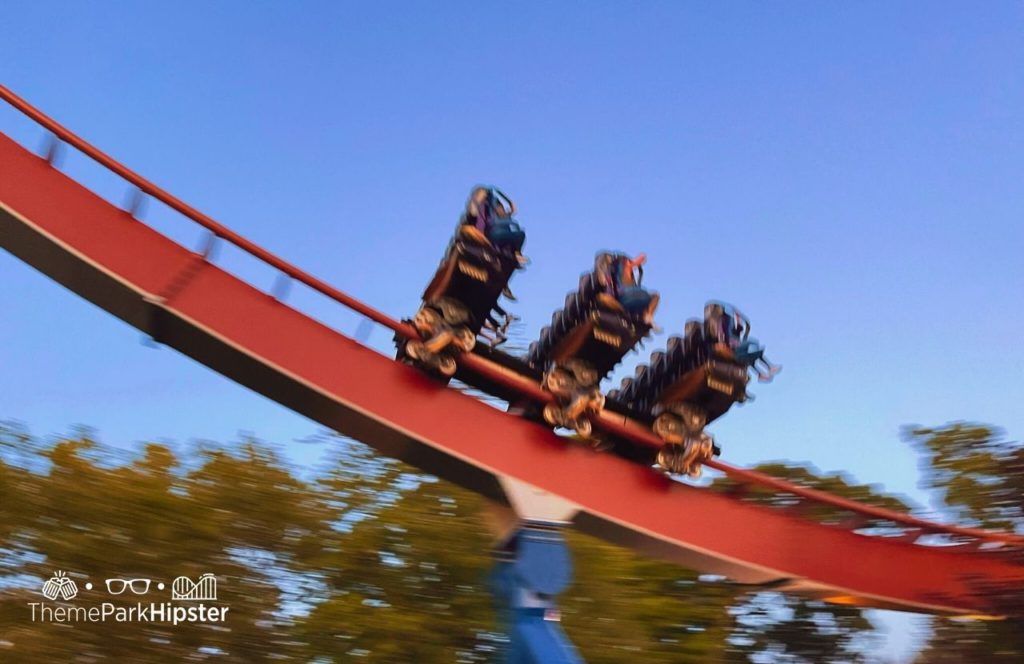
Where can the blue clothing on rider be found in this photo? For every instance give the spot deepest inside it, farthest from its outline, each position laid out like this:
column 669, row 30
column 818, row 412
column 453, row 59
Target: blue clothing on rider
column 729, row 327
column 624, row 277
column 488, row 214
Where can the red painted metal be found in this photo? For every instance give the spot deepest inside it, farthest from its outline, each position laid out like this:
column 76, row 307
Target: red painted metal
column 615, row 425
column 127, row 267
column 195, row 215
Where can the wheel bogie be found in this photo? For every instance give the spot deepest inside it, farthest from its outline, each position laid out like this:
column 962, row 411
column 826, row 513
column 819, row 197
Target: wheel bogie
column 583, row 427
column 669, row 428
column 553, row 415
column 465, row 339
column 446, row 365
column 686, row 458
column 559, row 382
column 426, row 321
column 693, row 418
column 573, row 384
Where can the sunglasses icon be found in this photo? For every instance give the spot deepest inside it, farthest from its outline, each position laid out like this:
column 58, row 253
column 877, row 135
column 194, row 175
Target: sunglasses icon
column 118, row 586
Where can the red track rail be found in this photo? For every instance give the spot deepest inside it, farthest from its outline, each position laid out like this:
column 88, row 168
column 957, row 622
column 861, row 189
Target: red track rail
column 186, row 302
column 615, row 425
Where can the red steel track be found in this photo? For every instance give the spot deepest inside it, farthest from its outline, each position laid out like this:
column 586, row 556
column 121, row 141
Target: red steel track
column 181, row 299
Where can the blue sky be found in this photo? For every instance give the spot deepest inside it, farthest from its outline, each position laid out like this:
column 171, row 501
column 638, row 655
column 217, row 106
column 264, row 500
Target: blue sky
column 848, row 175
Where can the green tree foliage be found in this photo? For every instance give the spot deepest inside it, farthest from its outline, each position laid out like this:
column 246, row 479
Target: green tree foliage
column 367, row 558
column 978, row 476
column 784, row 628
column 68, row 508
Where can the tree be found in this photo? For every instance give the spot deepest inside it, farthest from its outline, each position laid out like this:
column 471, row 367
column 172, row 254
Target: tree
column 71, row 507
column 978, row 476
column 776, row 627
column 366, row 557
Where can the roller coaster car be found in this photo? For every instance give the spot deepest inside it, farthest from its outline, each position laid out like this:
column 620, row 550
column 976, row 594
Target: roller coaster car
column 601, row 321
column 463, row 295
column 693, row 382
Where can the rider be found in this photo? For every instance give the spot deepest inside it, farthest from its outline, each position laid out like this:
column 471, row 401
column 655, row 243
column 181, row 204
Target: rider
column 487, row 212
column 730, row 329
column 622, row 277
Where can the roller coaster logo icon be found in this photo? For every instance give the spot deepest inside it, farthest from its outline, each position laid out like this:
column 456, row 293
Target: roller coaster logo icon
column 202, row 590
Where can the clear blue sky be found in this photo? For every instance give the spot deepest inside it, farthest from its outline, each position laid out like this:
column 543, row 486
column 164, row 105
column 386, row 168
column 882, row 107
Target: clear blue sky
column 849, row 175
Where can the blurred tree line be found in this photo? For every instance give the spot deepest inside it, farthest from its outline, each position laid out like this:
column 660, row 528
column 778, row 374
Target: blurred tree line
column 978, row 476
column 369, row 558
